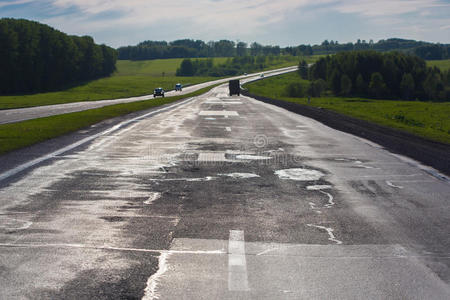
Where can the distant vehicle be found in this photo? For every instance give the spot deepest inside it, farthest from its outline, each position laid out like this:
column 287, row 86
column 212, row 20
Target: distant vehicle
column 245, row 74
column 262, row 75
column 158, row 92
column 178, row 87
column 235, row 87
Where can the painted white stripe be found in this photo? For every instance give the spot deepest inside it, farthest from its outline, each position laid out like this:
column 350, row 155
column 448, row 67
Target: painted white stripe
column 228, row 129
column 41, row 159
column 225, row 113
column 223, row 102
column 211, row 156
column 237, row 265
column 208, row 178
column 81, row 246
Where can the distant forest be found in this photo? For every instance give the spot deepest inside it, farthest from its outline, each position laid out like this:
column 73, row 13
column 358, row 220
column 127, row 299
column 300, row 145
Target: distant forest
column 233, row 66
column 35, row 58
column 372, row 74
column 196, row 48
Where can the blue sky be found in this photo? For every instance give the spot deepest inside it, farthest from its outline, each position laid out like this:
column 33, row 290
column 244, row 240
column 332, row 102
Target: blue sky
column 281, row 22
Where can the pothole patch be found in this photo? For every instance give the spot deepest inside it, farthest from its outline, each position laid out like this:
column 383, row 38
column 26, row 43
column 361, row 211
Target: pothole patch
column 299, row 174
column 153, row 197
column 252, row 157
column 240, row 175
column 318, row 187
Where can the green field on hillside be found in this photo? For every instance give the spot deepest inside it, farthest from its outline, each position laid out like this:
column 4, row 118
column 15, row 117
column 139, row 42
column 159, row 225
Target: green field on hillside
column 441, row 64
column 155, row 68
column 426, row 119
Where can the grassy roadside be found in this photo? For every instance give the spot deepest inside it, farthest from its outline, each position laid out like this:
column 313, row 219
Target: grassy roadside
column 22, row 134
column 426, row 119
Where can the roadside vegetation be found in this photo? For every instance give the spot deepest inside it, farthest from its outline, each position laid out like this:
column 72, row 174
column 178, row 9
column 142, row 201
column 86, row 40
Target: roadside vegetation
column 35, row 58
column 22, row 134
column 391, row 75
column 430, row 120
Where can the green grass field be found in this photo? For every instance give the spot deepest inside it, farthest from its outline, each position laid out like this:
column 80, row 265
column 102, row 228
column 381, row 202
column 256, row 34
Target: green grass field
column 426, row 119
column 441, row 64
column 154, row 68
column 22, row 134
column 132, row 78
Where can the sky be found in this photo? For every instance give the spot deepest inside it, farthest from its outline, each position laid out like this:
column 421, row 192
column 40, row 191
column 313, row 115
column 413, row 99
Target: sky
column 269, row 22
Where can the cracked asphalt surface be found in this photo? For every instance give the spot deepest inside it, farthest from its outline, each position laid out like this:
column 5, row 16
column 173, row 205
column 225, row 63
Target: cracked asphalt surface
column 221, row 197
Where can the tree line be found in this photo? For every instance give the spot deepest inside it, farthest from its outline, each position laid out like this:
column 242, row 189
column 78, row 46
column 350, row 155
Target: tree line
column 373, row 74
column 187, row 48
column 35, row 57
column 231, row 67
column 422, row 49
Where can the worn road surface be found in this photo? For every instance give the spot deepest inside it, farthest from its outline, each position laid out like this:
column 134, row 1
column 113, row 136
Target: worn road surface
column 23, row 114
column 220, row 197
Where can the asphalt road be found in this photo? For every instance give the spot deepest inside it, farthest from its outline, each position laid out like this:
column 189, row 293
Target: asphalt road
column 22, row 114
column 220, row 197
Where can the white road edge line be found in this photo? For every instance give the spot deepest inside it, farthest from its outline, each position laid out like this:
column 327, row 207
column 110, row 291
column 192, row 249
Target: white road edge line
column 41, row 159
column 237, row 265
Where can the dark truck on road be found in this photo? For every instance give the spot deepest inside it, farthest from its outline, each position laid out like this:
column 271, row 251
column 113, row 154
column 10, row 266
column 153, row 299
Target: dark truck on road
column 235, row 87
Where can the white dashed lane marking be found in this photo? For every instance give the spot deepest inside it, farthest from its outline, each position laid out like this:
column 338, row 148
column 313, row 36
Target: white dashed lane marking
column 225, row 113
column 211, row 156
column 237, row 265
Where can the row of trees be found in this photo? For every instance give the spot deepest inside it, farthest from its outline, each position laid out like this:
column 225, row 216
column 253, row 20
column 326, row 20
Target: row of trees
column 434, row 51
column 35, row 57
column 380, row 75
column 194, row 48
column 233, row 66
column 422, row 49
column 395, row 44
column 225, row 48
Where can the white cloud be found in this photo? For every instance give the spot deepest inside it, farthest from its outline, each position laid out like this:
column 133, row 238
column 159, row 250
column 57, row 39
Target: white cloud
column 14, row 2
column 373, row 8
column 215, row 19
column 203, row 15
